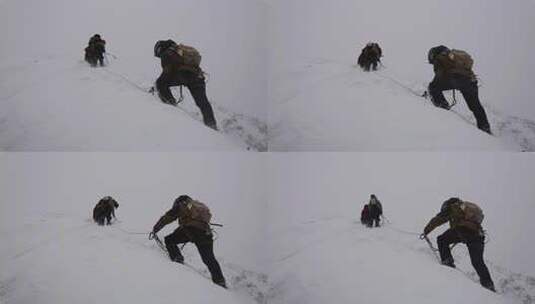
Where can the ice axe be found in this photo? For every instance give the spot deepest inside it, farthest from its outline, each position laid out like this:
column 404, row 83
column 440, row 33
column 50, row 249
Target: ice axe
column 154, row 236
column 424, row 237
column 433, row 249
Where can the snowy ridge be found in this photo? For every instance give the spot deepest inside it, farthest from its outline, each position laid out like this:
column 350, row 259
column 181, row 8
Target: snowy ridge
column 51, row 101
column 379, row 111
column 54, row 253
column 511, row 129
column 336, row 243
column 71, row 122
column 319, row 104
column 103, row 252
column 322, row 253
column 246, row 130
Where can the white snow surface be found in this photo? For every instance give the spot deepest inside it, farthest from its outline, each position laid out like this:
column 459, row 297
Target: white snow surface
column 291, row 227
column 52, row 251
column 52, row 100
column 322, row 254
column 320, row 101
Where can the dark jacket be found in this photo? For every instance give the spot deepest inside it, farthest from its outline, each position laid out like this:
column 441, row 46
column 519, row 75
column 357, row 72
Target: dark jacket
column 371, row 52
column 105, row 207
column 96, row 46
column 173, row 64
column 375, row 207
column 185, row 217
column 443, row 66
column 456, row 217
column 365, row 214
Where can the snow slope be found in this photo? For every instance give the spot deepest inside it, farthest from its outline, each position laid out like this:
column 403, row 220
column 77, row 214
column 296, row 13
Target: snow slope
column 323, row 254
column 318, row 101
column 52, row 252
column 52, row 100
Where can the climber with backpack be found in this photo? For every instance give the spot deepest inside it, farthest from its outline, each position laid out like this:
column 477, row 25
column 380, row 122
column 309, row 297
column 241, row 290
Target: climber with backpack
column 453, row 71
column 370, row 56
column 194, row 226
column 94, row 52
column 104, row 210
column 465, row 220
column 375, row 209
column 181, row 67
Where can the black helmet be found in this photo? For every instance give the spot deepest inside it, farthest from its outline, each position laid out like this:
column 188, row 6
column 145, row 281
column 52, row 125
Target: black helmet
column 161, row 46
column 447, row 204
column 433, row 52
column 180, row 200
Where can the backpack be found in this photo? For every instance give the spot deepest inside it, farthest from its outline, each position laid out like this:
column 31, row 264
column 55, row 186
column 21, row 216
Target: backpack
column 461, row 59
column 189, row 55
column 472, row 212
column 199, row 212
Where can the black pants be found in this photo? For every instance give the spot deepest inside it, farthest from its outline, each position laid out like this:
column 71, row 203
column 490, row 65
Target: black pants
column 195, row 85
column 100, row 58
column 100, row 215
column 94, row 58
column 468, row 88
column 374, row 221
column 475, row 244
column 368, row 62
column 204, row 244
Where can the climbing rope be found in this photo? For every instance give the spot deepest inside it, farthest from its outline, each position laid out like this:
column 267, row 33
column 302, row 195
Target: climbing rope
column 392, row 227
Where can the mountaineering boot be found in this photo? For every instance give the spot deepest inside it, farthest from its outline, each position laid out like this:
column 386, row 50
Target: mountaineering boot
column 440, row 104
column 212, row 126
column 489, row 286
column 166, row 99
column 449, row 262
column 178, row 259
column 486, row 129
column 222, row 284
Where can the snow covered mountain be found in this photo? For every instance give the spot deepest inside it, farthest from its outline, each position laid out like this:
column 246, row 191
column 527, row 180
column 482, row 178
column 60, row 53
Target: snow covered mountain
column 52, row 100
column 291, row 232
column 322, row 254
column 319, row 101
column 52, row 251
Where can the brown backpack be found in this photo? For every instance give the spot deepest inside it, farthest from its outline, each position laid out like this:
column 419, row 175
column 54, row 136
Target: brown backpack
column 189, row 55
column 461, row 59
column 472, row 212
column 199, row 212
